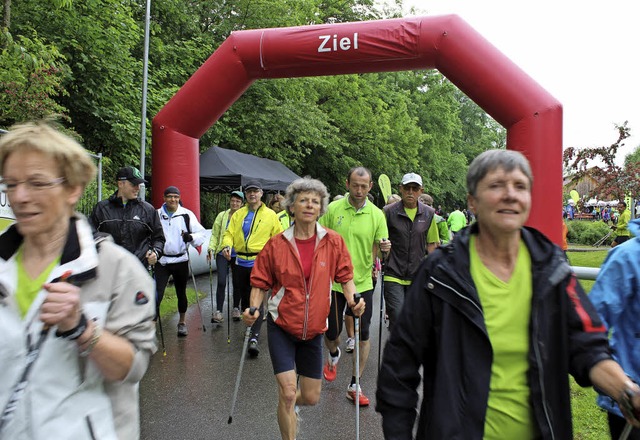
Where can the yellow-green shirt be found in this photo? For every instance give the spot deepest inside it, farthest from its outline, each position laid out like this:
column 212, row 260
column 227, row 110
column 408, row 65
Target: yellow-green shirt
column 507, row 312
column 28, row 288
column 623, row 222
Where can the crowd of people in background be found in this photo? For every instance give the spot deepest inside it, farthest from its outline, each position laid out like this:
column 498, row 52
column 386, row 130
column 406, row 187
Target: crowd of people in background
column 482, row 309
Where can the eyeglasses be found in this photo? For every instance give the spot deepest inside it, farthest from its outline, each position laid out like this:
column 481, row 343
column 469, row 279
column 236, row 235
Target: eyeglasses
column 10, row 186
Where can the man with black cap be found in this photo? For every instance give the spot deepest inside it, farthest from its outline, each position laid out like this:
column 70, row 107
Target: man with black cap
column 133, row 223
column 249, row 230
column 181, row 229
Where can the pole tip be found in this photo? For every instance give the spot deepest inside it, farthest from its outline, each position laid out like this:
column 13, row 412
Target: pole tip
column 230, row 420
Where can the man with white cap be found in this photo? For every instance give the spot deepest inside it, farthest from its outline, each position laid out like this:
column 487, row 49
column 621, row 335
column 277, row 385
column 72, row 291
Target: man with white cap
column 414, row 234
column 181, row 228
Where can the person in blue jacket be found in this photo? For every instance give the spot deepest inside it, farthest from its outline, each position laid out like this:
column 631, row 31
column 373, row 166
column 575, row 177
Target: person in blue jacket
column 616, row 296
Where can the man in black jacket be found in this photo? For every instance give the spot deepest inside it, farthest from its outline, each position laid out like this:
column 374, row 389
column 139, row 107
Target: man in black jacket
column 133, row 223
column 413, row 234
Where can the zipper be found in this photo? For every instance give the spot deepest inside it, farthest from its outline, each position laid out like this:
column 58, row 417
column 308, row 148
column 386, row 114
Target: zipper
column 253, row 221
column 536, row 350
column 306, row 287
column 446, row 286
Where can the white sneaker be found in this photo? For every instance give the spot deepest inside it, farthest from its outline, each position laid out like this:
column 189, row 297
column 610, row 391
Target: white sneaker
column 217, row 317
column 236, row 315
column 351, row 343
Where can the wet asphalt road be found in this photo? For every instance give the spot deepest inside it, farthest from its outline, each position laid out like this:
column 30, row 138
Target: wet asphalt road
column 187, row 394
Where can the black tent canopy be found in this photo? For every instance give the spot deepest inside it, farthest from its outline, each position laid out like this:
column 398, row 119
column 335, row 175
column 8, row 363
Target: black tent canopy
column 223, row 170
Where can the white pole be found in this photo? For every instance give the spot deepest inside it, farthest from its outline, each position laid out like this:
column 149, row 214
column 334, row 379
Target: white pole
column 143, row 122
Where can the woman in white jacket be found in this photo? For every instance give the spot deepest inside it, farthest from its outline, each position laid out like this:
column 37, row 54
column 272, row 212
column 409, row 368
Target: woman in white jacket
column 75, row 311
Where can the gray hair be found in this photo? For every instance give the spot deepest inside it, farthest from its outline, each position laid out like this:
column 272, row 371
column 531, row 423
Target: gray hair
column 305, row 184
column 426, row 199
column 491, row 160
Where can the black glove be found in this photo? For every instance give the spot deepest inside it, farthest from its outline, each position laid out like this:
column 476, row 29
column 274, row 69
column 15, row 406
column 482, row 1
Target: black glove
column 186, row 237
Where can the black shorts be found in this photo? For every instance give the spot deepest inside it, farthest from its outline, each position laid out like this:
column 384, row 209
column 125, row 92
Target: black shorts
column 290, row 353
column 621, row 239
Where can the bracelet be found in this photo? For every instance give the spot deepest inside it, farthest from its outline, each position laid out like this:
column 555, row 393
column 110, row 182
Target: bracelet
column 75, row 332
column 95, row 337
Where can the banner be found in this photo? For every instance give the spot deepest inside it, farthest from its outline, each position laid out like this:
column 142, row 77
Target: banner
column 6, row 215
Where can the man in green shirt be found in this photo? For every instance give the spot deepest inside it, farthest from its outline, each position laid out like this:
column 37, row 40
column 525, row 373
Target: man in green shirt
column 620, row 228
column 364, row 229
column 441, row 222
column 456, row 221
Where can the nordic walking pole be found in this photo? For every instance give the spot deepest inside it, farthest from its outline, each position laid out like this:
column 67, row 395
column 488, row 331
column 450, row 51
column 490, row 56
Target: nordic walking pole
column 356, row 327
column 193, row 278
column 228, row 308
column 627, row 430
column 382, row 267
column 381, row 314
column 164, row 347
column 211, row 288
column 247, row 333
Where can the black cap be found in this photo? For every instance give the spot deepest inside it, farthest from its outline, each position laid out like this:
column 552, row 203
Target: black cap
column 131, row 174
column 171, row 190
column 253, row 184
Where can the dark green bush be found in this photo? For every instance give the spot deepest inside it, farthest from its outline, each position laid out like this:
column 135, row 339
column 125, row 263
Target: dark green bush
column 588, row 232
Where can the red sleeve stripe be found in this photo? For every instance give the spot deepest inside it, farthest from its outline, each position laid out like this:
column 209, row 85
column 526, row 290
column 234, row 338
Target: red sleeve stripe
column 587, row 323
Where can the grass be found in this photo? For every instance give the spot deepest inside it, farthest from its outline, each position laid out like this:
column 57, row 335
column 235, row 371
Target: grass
column 169, row 304
column 589, row 421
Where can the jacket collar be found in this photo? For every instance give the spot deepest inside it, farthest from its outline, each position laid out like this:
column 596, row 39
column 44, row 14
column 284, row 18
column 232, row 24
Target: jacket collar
column 118, row 200
column 79, row 254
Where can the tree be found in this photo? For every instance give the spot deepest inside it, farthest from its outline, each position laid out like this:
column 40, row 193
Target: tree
column 613, row 181
column 31, row 78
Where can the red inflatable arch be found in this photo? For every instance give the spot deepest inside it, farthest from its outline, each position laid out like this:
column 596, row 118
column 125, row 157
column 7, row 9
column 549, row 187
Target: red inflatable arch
column 532, row 117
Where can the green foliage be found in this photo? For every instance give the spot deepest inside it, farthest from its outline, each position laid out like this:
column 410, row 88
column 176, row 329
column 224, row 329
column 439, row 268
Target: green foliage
column 97, row 39
column 587, row 232
column 391, row 122
column 31, row 76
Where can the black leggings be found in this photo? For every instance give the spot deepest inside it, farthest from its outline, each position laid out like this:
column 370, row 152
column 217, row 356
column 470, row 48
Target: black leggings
column 222, row 268
column 243, row 287
column 180, row 273
column 338, row 304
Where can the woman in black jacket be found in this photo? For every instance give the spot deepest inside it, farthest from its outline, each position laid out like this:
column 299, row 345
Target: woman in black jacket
column 497, row 321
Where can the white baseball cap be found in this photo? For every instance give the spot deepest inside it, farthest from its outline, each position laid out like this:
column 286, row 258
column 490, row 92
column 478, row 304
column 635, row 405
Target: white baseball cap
column 411, row 178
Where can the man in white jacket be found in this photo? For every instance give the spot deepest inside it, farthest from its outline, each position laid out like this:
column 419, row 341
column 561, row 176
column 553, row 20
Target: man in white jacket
column 181, row 229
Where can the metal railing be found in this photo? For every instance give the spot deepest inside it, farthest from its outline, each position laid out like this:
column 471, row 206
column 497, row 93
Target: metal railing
column 586, row 273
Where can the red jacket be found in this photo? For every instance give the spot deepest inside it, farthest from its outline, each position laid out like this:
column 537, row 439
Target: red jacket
column 299, row 309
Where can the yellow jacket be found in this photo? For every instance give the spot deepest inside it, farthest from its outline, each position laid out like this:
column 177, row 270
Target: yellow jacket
column 217, row 231
column 265, row 225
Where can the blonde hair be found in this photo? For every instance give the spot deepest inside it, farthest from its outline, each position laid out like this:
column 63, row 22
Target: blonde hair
column 72, row 159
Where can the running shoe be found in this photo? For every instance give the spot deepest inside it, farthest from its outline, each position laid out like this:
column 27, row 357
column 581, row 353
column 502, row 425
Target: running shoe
column 217, row 317
column 351, row 395
column 351, row 343
column 236, row 315
column 182, row 330
column 330, row 370
column 253, row 350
